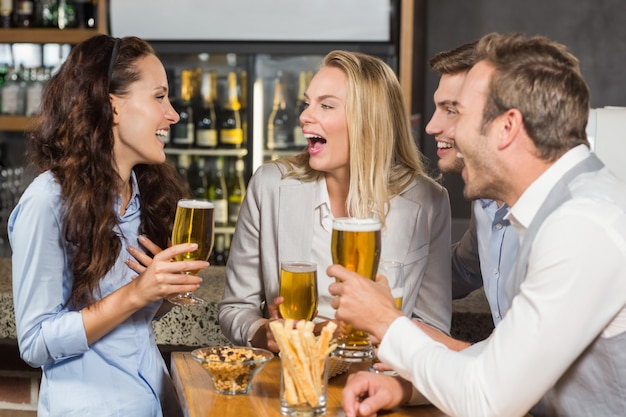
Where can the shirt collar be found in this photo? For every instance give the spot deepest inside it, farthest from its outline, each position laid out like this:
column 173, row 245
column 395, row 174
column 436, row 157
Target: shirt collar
column 133, row 204
column 525, row 209
column 322, row 205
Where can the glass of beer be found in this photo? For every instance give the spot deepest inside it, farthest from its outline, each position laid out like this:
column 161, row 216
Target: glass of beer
column 356, row 246
column 298, row 287
column 193, row 223
column 394, row 272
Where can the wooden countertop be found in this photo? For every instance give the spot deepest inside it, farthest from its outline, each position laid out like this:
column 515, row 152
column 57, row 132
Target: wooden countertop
column 198, row 399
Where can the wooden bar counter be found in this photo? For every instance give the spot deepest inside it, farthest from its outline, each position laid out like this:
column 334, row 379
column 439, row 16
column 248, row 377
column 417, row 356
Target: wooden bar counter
column 198, row 399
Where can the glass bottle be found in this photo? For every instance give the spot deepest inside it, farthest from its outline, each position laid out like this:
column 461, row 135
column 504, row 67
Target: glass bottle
column 183, row 132
column 206, row 115
column 243, row 99
column 6, row 13
column 231, row 129
column 279, row 129
column 183, row 161
column 196, row 177
column 12, row 94
column 218, row 257
column 66, row 17
column 84, row 11
column 34, row 90
column 298, row 137
column 237, row 190
column 24, row 13
column 217, row 193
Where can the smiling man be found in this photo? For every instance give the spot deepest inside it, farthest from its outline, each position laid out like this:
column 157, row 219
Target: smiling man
column 559, row 350
column 485, row 254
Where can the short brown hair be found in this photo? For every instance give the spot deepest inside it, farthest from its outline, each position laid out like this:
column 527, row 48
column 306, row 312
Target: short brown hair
column 541, row 79
column 454, row 61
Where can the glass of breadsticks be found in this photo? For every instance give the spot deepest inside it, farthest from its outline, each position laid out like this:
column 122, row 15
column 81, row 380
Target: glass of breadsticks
column 303, row 366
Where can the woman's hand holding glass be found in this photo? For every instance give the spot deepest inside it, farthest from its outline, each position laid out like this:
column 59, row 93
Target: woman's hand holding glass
column 161, row 277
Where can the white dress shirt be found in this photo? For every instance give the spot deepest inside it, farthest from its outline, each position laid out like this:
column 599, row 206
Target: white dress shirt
column 574, row 291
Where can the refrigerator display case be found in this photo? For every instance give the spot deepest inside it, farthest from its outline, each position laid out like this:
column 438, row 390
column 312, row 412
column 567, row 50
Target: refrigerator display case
column 259, row 70
column 272, row 56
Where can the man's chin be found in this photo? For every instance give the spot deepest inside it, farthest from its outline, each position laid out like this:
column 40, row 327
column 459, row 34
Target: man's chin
column 453, row 168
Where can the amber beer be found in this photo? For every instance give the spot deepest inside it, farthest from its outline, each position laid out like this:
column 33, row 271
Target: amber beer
column 356, row 245
column 298, row 287
column 193, row 223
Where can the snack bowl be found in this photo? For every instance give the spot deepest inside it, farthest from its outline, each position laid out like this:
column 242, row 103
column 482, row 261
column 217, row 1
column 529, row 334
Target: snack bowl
column 232, row 368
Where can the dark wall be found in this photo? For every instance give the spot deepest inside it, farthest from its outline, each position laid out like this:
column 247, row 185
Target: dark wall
column 594, row 30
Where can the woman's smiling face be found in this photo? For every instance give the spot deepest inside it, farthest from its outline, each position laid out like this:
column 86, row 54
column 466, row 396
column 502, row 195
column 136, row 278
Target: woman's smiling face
column 324, row 122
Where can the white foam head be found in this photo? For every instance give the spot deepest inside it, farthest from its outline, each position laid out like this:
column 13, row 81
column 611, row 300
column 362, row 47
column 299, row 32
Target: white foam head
column 354, row 224
column 196, row 204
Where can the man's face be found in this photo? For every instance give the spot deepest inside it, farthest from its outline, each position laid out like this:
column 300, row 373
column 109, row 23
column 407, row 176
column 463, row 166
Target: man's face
column 442, row 123
column 480, row 157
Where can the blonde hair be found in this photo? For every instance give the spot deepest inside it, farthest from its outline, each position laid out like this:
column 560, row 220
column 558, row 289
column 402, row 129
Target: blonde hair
column 384, row 158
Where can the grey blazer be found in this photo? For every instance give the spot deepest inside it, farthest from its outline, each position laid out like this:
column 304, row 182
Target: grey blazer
column 274, row 223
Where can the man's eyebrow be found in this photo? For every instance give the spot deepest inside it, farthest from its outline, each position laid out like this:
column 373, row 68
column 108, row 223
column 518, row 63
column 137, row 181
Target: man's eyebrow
column 458, row 105
column 446, row 101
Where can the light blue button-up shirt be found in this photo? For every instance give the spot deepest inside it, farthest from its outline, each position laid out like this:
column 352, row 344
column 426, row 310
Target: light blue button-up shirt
column 123, row 373
column 497, row 248
column 485, row 255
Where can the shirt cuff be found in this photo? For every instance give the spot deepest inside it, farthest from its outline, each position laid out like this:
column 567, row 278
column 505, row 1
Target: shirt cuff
column 65, row 337
column 393, row 346
column 253, row 329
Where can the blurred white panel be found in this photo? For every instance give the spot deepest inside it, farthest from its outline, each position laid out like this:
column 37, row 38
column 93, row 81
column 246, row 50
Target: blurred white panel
column 606, row 130
column 252, row 20
column 27, row 55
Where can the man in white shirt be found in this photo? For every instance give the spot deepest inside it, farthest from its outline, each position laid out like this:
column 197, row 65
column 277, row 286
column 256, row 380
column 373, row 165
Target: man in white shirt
column 560, row 348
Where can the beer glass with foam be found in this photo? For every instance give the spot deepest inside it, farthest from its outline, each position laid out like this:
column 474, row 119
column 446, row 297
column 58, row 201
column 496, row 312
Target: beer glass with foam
column 193, row 223
column 298, row 287
column 356, row 245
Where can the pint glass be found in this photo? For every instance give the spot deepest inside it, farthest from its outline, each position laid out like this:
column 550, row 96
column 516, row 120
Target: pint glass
column 193, row 223
column 298, row 287
column 356, row 246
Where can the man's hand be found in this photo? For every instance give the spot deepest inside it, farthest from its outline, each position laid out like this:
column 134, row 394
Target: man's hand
column 366, row 393
column 356, row 297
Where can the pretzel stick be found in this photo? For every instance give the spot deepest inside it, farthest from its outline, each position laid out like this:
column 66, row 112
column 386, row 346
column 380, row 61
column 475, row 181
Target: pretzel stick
column 304, row 358
column 292, row 362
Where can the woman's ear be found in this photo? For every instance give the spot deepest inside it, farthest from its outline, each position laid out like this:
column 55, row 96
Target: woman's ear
column 115, row 104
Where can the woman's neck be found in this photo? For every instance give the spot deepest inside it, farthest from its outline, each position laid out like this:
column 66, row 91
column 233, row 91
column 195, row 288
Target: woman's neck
column 337, row 194
column 126, row 192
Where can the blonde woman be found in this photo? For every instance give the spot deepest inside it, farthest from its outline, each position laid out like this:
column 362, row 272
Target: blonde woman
column 361, row 159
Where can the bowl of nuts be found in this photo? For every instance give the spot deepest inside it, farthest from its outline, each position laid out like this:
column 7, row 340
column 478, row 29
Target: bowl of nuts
column 232, row 368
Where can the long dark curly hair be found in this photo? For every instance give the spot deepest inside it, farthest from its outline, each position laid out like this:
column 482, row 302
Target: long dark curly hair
column 73, row 138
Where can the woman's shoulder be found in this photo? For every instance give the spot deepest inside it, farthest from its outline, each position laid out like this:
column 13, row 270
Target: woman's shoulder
column 272, row 173
column 43, row 186
column 424, row 187
column 42, row 195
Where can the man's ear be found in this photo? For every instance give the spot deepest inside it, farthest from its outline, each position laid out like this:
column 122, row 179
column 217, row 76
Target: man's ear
column 511, row 123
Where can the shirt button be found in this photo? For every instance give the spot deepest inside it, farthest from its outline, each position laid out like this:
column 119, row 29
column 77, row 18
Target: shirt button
column 498, row 226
